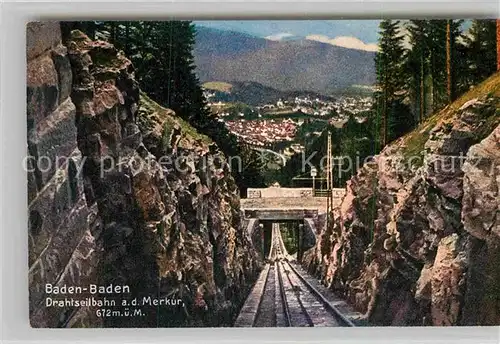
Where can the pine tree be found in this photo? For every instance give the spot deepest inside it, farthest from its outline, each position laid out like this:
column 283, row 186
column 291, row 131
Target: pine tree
column 454, row 59
column 432, row 63
column 443, row 35
column 449, row 92
column 482, row 50
column 498, row 44
column 436, row 78
column 388, row 69
column 416, row 64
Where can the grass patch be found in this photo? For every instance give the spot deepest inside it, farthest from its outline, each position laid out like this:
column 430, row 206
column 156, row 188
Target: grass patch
column 218, row 86
column 414, row 141
column 490, row 87
column 162, row 121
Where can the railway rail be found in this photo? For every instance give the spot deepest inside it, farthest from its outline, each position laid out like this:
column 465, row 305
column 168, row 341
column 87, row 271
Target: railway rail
column 283, row 297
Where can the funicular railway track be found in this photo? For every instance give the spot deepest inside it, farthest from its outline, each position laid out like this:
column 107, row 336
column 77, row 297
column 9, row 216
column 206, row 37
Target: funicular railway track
column 283, row 297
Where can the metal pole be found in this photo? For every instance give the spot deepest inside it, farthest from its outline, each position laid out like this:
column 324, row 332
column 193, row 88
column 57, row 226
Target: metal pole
column 330, row 163
column 328, row 177
column 327, row 211
column 299, row 242
column 262, row 239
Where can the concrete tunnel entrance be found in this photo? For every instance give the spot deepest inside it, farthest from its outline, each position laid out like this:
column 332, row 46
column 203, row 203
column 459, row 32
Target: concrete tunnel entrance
column 291, row 232
column 296, row 236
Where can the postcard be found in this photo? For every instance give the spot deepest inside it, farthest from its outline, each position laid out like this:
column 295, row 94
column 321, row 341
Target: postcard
column 263, row 173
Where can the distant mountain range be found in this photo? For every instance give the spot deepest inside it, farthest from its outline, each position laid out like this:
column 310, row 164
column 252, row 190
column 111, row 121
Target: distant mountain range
column 285, row 65
column 254, row 93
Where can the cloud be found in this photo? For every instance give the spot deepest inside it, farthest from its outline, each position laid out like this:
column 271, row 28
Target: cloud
column 280, row 36
column 345, row 41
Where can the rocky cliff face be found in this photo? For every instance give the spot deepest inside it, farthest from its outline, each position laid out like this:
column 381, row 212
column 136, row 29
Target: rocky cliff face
column 416, row 239
column 63, row 224
column 144, row 200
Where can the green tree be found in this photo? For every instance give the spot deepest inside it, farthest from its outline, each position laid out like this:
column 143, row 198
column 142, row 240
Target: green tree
column 498, row 44
column 443, row 35
column 161, row 52
column 482, row 46
column 432, row 63
column 351, row 144
column 389, row 72
column 416, row 65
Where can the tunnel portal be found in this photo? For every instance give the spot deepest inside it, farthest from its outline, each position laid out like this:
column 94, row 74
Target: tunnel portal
column 291, row 231
column 296, row 234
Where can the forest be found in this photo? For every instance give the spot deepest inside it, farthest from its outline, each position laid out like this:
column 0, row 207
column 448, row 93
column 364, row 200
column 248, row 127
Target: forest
column 424, row 65
column 421, row 67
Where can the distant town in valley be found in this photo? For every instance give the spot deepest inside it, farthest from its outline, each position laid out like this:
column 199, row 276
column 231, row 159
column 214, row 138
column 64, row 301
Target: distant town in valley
column 276, row 124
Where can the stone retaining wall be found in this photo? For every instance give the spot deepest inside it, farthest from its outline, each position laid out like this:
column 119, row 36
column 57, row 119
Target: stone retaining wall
column 278, row 192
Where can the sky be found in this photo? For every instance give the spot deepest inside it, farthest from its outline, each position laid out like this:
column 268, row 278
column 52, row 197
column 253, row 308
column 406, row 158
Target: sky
column 358, row 34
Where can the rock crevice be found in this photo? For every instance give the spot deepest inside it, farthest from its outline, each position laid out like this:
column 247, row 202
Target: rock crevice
column 419, row 224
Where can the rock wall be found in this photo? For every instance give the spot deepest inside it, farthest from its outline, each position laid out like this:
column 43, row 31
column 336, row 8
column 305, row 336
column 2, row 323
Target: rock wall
column 481, row 219
column 64, row 228
column 416, row 239
column 144, row 200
